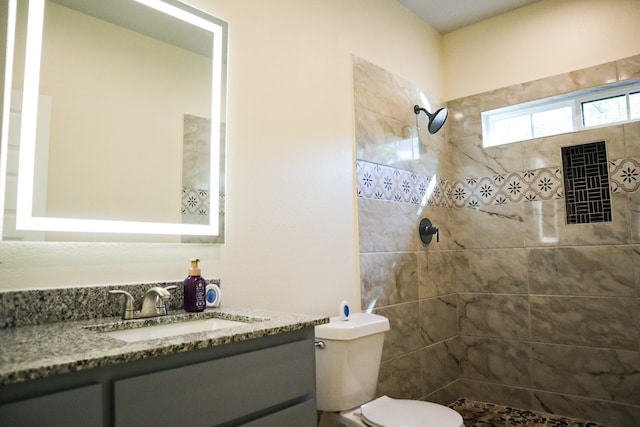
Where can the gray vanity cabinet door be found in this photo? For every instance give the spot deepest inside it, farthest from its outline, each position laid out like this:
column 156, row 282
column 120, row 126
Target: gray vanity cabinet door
column 77, row 407
column 301, row 415
column 232, row 389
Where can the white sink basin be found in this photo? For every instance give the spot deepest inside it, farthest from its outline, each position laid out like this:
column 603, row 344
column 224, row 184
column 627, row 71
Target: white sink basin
column 172, row 329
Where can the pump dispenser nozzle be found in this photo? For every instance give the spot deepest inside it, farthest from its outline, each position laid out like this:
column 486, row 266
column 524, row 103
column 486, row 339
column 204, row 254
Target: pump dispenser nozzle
column 194, row 270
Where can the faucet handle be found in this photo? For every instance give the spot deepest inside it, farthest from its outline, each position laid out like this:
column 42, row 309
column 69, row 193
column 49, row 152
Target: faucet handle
column 153, row 302
column 163, row 308
column 128, row 311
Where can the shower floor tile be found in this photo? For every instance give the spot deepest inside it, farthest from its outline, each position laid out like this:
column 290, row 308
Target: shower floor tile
column 479, row 414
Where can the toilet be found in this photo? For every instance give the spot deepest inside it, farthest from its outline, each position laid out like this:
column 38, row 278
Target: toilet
column 348, row 354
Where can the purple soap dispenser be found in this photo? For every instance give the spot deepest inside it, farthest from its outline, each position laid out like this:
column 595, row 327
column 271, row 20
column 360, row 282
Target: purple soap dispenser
column 194, row 289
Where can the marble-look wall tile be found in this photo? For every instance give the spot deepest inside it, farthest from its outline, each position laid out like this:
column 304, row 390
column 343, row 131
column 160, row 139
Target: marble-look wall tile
column 471, row 159
column 440, row 365
column 585, row 78
column 635, row 254
column 491, row 315
column 438, row 319
column 384, row 140
column 492, row 271
column 387, row 226
column 196, row 152
column 435, row 155
column 599, row 411
column 465, row 116
column 587, row 321
column 496, row 361
column 605, row 374
column 495, row 226
column 518, row 397
column 546, row 152
column 404, row 335
column 445, row 395
column 378, row 90
column 628, row 68
column 400, row 377
column 582, row 270
column 388, row 278
column 634, row 215
column 632, row 139
column 546, row 225
column 436, row 273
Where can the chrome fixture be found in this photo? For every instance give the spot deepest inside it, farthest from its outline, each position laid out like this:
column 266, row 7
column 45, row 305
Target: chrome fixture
column 436, row 120
column 154, row 303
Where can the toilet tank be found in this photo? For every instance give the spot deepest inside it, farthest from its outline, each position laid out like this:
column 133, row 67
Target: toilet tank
column 347, row 367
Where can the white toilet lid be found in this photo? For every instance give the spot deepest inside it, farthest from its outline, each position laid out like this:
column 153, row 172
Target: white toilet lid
column 387, row 412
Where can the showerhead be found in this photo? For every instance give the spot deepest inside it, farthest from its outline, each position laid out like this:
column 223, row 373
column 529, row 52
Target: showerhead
column 436, row 120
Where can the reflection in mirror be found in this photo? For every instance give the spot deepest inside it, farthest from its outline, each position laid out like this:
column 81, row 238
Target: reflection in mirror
column 116, row 124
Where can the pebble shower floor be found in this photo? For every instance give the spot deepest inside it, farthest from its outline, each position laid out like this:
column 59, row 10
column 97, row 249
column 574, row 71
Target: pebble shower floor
column 479, row 414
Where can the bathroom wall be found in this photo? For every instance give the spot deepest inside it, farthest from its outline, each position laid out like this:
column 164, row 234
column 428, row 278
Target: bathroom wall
column 399, row 166
column 512, row 306
column 555, row 327
column 542, row 39
column 291, row 234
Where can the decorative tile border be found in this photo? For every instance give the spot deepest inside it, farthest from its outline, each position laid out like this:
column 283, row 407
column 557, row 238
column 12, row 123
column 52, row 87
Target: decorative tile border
column 380, row 182
column 195, row 201
column 624, row 175
column 538, row 184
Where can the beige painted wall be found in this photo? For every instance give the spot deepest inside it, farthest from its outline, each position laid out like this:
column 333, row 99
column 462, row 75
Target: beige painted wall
column 291, row 226
column 540, row 40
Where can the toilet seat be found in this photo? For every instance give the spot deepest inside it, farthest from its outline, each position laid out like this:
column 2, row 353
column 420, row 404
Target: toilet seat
column 388, row 412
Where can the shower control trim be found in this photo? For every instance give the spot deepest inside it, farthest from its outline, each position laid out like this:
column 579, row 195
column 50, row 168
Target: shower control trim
column 426, row 230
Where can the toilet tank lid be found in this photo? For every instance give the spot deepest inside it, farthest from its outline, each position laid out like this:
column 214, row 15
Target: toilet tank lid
column 358, row 325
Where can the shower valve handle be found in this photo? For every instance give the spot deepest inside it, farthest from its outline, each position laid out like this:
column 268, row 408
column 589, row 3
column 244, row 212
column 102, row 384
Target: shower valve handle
column 426, row 230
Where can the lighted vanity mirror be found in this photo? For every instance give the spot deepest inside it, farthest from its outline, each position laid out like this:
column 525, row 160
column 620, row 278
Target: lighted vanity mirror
column 117, row 122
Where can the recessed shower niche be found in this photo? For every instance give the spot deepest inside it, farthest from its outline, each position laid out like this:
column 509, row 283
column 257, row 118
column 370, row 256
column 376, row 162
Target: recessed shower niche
column 586, row 183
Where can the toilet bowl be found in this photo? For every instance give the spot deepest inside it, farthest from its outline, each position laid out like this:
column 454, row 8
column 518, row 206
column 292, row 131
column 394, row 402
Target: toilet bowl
column 347, row 363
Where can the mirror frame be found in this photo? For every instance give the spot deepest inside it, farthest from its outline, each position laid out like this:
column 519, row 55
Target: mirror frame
column 25, row 220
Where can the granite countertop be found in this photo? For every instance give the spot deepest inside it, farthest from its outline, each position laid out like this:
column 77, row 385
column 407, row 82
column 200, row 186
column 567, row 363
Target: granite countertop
column 42, row 350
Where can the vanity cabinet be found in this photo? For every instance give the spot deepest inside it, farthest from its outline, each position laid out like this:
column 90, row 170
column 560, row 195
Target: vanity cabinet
column 264, row 382
column 77, row 407
column 223, row 390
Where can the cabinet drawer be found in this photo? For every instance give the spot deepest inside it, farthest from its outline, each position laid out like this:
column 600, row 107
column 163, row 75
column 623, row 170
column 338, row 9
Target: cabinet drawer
column 77, row 407
column 217, row 391
column 301, row 415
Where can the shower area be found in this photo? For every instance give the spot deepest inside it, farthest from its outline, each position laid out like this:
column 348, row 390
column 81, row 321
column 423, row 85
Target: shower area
column 512, row 306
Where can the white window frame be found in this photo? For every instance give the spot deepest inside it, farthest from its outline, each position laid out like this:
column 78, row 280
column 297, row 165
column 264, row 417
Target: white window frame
column 573, row 100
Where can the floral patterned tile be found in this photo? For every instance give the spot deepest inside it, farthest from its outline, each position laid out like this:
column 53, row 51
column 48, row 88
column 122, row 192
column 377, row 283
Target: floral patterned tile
column 388, row 183
column 540, row 184
column 625, row 174
column 195, row 201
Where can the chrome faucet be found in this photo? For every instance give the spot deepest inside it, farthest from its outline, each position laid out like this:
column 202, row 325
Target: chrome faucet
column 154, row 303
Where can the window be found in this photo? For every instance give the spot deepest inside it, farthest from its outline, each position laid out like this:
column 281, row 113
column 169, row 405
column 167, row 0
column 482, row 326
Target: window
column 603, row 106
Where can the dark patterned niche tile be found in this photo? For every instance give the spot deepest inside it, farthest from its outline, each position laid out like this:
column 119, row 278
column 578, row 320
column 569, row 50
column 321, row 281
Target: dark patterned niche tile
column 586, row 183
column 481, row 414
